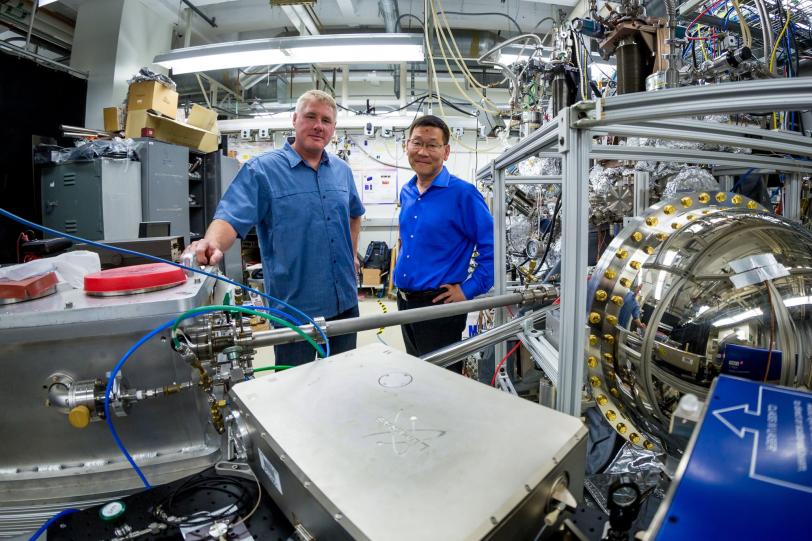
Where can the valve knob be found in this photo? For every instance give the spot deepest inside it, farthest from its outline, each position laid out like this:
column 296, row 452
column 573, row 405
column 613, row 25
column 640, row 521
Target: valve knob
column 79, row 417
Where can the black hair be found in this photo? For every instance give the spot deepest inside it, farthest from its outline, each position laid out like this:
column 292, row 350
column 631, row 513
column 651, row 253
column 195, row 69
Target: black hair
column 433, row 122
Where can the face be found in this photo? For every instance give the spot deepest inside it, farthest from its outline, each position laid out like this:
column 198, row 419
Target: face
column 314, row 126
column 427, row 163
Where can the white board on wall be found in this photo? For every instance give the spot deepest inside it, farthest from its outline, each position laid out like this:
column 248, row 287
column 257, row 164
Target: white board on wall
column 378, row 187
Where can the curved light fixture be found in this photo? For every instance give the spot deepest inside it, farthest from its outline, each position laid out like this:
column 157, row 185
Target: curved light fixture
column 321, row 49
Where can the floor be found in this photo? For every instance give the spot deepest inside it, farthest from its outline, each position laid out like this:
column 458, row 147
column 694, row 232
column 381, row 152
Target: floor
column 368, row 305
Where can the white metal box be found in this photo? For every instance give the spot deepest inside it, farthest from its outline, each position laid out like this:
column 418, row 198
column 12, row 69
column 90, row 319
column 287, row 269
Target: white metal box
column 376, row 444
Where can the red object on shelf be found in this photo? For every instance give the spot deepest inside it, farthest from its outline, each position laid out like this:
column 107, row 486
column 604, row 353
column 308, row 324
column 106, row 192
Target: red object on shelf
column 30, row 288
column 134, row 279
column 147, row 132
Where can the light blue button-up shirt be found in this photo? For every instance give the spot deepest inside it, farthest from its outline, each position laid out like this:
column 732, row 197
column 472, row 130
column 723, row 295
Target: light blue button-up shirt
column 302, row 217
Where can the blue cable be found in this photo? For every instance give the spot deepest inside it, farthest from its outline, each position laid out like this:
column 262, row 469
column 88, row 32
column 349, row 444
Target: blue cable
column 51, row 521
column 14, row 217
column 117, row 368
column 741, row 178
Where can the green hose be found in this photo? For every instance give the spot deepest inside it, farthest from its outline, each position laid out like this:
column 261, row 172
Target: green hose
column 274, row 367
column 243, row 310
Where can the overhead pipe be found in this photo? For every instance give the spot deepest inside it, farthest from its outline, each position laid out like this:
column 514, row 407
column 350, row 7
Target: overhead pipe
column 203, row 16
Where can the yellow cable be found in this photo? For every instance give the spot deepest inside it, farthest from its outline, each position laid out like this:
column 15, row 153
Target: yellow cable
column 442, row 109
column 772, row 57
column 746, row 36
column 385, row 310
column 440, row 40
column 701, row 41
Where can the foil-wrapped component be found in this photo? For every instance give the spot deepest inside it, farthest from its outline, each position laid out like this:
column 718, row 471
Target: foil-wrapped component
column 690, row 179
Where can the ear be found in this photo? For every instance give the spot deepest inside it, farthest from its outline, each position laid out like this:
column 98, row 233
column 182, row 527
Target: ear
column 295, row 117
column 446, row 152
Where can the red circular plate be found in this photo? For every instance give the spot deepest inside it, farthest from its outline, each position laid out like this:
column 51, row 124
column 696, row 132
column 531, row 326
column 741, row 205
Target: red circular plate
column 134, row 279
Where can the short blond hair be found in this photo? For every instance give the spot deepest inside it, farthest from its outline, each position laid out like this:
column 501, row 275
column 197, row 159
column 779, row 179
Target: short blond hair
column 319, row 96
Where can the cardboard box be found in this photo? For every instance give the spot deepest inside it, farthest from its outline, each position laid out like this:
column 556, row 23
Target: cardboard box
column 203, row 118
column 112, row 119
column 171, row 131
column 370, row 277
column 152, row 95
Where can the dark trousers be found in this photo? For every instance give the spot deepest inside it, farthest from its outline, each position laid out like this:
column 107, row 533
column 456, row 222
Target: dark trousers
column 299, row 353
column 427, row 336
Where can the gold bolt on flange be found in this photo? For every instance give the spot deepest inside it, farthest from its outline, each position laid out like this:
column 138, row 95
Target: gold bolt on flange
column 675, row 225
column 611, row 415
column 594, row 318
column 625, row 282
column 648, row 445
column 686, row 202
column 610, row 274
column 609, row 338
column 622, row 254
column 617, row 299
column 737, row 200
column 637, row 236
column 601, row 295
column 634, row 438
column 601, row 400
column 593, row 340
column 595, row 381
column 651, row 221
column 621, row 428
column 662, row 236
column 635, row 265
column 611, row 320
column 649, row 250
column 614, row 392
column 704, row 198
column 721, row 197
column 752, row 205
column 608, row 357
column 592, row 361
column 669, row 210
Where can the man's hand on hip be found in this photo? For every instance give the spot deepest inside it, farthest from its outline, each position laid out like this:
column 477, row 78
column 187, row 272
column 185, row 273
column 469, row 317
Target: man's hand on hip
column 206, row 252
column 452, row 293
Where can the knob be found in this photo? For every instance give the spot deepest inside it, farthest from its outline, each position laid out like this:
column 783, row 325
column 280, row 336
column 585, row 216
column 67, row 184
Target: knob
column 79, row 417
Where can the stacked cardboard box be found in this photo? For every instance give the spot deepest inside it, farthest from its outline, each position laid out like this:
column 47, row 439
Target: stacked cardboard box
column 152, row 105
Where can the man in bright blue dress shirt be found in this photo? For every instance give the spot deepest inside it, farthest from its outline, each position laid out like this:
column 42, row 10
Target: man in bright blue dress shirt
column 442, row 220
column 307, row 215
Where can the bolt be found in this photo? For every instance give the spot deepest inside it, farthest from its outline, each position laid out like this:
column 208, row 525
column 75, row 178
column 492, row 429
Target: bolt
column 494, row 521
column 68, row 305
column 560, row 140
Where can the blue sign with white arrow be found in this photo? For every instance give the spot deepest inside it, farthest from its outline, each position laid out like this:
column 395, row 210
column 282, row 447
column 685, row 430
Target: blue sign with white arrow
column 748, row 474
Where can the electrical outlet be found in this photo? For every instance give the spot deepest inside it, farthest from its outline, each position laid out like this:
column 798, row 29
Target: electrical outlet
column 245, row 134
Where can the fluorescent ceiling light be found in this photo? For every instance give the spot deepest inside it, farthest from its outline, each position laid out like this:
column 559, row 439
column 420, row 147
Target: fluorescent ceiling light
column 738, row 318
column 45, row 2
column 321, row 49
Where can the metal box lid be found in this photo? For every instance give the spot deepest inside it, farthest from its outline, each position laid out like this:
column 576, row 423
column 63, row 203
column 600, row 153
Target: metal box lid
column 404, row 449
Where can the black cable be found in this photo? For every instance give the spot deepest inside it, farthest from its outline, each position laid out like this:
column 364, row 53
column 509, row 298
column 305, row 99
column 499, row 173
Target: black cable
column 409, row 15
column 378, row 114
column 456, row 107
column 519, row 28
column 552, row 232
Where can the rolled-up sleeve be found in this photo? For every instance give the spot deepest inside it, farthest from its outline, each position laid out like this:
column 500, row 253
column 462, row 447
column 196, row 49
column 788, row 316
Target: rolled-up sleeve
column 246, row 201
column 479, row 225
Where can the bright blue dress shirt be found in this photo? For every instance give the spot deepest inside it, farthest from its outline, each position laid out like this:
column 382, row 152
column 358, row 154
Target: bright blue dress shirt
column 438, row 231
column 302, row 218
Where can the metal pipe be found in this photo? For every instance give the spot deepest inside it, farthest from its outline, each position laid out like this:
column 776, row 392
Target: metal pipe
column 453, row 353
column 31, row 24
column 356, row 324
column 203, row 16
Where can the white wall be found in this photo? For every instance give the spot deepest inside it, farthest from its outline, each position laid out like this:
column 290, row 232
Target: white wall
column 113, row 40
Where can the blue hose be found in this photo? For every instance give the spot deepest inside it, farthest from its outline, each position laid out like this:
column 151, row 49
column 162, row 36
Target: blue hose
column 27, row 223
column 51, row 521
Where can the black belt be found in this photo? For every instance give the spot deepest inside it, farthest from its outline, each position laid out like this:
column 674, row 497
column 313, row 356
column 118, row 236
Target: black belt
column 407, row 295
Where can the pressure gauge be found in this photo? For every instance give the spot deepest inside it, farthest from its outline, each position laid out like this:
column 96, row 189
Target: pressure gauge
column 532, row 249
column 112, row 511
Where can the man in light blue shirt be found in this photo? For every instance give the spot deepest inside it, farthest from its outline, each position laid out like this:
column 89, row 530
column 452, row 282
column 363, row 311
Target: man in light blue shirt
column 307, row 215
column 442, row 220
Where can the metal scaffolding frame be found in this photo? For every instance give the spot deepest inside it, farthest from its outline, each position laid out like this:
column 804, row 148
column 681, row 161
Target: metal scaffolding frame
column 570, row 137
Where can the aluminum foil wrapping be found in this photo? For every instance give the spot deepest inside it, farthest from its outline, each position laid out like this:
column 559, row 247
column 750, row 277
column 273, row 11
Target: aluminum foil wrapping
column 690, row 179
column 726, row 119
column 534, row 166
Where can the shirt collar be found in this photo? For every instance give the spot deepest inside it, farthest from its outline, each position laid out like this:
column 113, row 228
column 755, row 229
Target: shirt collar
column 441, row 180
column 293, row 157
